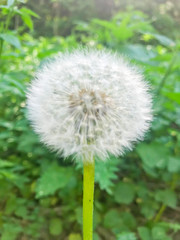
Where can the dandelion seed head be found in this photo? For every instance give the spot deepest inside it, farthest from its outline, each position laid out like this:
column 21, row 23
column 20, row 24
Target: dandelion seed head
column 89, row 103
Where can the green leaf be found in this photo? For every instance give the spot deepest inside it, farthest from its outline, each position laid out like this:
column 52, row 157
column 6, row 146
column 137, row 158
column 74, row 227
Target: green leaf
column 106, row 172
column 153, row 154
column 119, row 221
column 149, row 208
column 159, row 233
column 10, row 231
column 11, row 39
column 28, row 11
column 122, row 31
column 174, row 226
column 28, row 21
column 124, row 193
column 5, row 163
column 173, row 164
column 164, row 40
column 128, row 220
column 175, row 96
column 96, row 237
column 74, row 236
column 112, row 219
column 26, row 16
column 8, row 174
column 53, row 178
column 55, row 226
column 11, row 204
column 78, row 213
column 126, row 236
column 144, row 233
column 21, row 211
column 168, row 197
column 136, row 51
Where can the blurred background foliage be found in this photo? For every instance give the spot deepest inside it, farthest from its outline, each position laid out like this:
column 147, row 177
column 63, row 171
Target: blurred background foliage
column 137, row 195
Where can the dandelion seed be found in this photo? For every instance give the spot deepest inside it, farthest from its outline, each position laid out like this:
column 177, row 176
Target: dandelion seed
column 89, row 103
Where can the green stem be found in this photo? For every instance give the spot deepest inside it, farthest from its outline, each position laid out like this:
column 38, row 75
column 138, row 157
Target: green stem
column 88, row 197
column 163, row 206
column 160, row 213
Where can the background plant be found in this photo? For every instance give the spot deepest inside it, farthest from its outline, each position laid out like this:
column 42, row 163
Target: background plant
column 40, row 194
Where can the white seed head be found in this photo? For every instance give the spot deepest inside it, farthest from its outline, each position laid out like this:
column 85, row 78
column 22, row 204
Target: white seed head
column 89, row 103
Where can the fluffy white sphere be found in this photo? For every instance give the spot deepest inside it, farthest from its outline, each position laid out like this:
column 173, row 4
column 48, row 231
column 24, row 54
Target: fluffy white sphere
column 89, row 103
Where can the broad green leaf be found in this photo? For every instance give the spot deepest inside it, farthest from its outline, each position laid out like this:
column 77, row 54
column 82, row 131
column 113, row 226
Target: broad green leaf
column 26, row 17
column 11, row 39
column 175, row 96
column 103, row 23
column 8, row 174
column 144, row 233
column 28, row 143
column 10, row 231
column 164, row 40
column 74, row 236
column 53, row 178
column 159, row 233
column 5, row 163
column 174, row 226
column 124, row 192
column 153, row 154
column 22, row 212
column 128, row 219
column 149, row 208
column 28, row 21
column 29, row 12
column 55, row 226
column 95, row 236
column 173, row 164
column 167, row 197
column 126, row 236
column 136, row 51
column 112, row 219
column 122, row 31
column 119, row 221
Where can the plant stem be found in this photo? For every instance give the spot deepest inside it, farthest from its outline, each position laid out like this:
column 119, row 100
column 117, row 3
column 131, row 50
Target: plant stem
column 163, row 206
column 160, row 213
column 88, row 197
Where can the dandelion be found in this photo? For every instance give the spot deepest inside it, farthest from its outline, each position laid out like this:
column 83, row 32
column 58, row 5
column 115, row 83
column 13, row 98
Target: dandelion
column 89, row 103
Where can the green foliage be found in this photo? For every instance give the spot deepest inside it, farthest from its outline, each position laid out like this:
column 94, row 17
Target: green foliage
column 55, row 226
column 144, row 233
column 126, row 236
column 52, row 178
column 157, row 233
column 153, row 154
column 168, row 197
column 124, row 193
column 106, row 173
column 41, row 194
column 119, row 221
column 11, row 39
